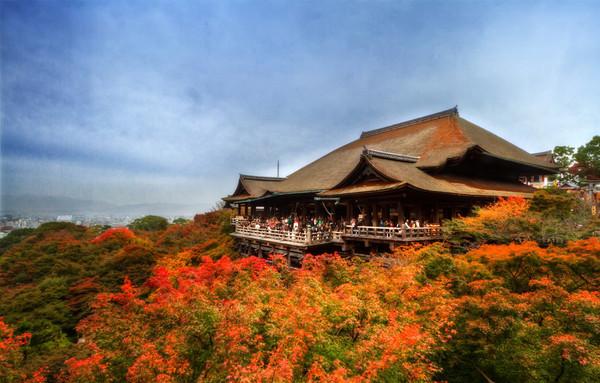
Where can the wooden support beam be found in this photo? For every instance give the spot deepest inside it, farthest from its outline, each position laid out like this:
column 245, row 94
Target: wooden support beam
column 374, row 214
column 400, row 213
column 304, row 212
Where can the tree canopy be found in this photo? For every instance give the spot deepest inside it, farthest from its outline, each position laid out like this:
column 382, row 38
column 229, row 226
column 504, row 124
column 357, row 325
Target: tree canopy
column 587, row 160
column 149, row 223
column 580, row 165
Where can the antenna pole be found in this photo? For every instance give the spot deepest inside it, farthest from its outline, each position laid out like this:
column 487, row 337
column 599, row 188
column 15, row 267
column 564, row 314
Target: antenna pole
column 277, row 168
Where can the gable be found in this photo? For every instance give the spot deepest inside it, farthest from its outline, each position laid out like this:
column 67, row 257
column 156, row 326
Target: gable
column 367, row 174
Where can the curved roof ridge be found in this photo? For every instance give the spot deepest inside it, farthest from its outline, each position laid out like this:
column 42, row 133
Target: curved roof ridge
column 260, row 178
column 449, row 112
column 389, row 155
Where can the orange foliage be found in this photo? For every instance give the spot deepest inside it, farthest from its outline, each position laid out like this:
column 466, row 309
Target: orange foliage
column 329, row 321
column 11, row 357
column 121, row 235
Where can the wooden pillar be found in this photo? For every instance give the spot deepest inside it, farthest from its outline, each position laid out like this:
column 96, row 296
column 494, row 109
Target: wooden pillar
column 330, row 209
column 252, row 211
column 436, row 213
column 400, row 213
column 304, row 212
column 375, row 215
column 350, row 211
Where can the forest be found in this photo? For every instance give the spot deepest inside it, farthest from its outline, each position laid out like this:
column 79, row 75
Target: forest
column 511, row 295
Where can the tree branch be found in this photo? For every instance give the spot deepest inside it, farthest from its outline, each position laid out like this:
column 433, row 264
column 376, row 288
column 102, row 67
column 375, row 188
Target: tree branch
column 482, row 373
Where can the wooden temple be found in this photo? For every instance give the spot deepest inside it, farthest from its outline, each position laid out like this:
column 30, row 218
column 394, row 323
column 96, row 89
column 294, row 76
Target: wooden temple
column 430, row 169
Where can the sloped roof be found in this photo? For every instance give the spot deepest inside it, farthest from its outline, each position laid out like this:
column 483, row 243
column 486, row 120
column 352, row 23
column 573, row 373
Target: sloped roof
column 403, row 175
column 253, row 187
column 547, row 156
column 432, row 140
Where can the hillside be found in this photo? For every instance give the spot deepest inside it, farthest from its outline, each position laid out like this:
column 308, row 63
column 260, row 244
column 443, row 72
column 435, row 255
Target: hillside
column 501, row 304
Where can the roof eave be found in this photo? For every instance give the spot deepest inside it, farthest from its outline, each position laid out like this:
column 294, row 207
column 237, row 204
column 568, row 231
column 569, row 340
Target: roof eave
column 276, row 194
column 546, row 170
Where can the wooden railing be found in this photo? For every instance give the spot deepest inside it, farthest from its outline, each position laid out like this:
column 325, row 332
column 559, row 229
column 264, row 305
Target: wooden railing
column 394, row 233
column 235, row 221
column 309, row 237
column 306, row 237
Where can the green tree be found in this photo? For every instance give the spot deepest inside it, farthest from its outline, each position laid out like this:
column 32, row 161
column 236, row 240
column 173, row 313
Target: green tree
column 14, row 237
column 181, row 221
column 149, row 223
column 578, row 166
column 587, row 157
column 563, row 156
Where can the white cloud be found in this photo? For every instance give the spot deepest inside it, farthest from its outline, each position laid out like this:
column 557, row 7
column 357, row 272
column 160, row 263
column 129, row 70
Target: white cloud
column 175, row 99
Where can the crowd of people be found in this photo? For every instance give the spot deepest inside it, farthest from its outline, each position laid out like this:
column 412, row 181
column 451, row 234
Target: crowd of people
column 320, row 225
column 292, row 224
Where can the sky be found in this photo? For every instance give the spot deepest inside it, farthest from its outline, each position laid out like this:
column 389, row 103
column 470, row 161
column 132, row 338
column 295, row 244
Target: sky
column 169, row 101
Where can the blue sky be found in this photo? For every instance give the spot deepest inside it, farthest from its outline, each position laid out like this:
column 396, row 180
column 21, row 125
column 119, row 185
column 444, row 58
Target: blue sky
column 168, row 101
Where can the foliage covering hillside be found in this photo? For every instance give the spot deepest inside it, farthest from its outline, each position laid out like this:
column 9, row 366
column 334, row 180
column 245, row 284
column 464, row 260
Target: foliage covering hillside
column 49, row 275
column 500, row 302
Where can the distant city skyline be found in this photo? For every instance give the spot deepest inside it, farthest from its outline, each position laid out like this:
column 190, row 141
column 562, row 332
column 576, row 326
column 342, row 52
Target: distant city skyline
column 151, row 102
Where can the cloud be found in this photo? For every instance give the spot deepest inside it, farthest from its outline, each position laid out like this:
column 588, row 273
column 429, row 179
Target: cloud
column 178, row 98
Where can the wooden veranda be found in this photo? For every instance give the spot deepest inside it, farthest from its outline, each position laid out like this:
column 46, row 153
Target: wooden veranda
column 261, row 242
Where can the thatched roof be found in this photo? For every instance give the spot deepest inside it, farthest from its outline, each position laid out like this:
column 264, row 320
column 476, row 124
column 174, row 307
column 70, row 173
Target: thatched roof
column 408, row 154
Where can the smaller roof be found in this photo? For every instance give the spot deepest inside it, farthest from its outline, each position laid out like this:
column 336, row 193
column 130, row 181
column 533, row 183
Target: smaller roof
column 547, row 156
column 251, row 187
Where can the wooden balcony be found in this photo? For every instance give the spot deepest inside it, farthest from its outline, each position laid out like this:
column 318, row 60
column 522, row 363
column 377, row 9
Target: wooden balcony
column 305, row 239
column 308, row 238
column 393, row 234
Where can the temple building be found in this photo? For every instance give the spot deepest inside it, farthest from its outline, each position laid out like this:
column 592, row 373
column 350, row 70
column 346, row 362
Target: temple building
column 429, row 169
column 540, row 181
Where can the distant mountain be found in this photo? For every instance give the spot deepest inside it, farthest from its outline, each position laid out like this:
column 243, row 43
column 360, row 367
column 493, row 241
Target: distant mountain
column 164, row 209
column 55, row 206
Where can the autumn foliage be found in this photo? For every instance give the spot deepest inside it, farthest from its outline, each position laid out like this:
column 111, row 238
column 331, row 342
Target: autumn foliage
column 550, row 217
column 50, row 275
column 246, row 320
column 11, row 357
column 505, row 299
